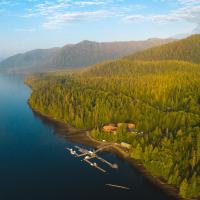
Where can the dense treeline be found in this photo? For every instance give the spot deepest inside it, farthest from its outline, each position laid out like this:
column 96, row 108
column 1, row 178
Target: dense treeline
column 186, row 50
column 161, row 97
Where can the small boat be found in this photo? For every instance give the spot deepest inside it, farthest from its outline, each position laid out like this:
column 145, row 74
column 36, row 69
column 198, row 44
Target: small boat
column 87, row 157
column 72, row 152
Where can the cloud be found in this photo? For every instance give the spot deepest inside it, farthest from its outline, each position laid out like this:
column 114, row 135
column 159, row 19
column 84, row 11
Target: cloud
column 189, row 2
column 60, row 19
column 89, row 3
column 59, row 6
column 189, row 11
column 135, row 18
column 56, row 14
column 46, row 8
column 182, row 2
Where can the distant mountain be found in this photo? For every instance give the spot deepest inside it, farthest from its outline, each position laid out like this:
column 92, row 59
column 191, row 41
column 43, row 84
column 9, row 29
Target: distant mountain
column 27, row 61
column 185, row 50
column 74, row 56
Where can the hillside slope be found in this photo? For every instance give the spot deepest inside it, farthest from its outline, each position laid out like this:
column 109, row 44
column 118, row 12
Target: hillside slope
column 161, row 97
column 186, row 50
column 74, row 56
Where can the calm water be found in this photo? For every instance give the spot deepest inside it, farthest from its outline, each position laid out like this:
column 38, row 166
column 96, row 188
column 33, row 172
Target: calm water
column 34, row 165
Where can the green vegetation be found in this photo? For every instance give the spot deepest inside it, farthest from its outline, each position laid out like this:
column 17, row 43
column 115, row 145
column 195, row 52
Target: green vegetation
column 161, row 97
column 186, row 50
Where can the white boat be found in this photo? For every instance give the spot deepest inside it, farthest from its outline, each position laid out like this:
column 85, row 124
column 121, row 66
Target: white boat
column 72, row 152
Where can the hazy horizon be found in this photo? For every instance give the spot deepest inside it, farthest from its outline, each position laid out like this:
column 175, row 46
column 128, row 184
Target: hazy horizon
column 35, row 24
column 74, row 43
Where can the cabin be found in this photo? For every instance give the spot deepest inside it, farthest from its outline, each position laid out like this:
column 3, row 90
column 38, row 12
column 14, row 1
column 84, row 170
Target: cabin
column 112, row 128
column 130, row 126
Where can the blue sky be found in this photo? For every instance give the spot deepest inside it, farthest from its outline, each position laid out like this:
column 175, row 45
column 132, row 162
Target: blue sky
column 30, row 24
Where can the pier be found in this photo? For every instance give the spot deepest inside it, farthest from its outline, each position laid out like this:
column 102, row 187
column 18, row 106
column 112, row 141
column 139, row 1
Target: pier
column 94, row 165
column 114, row 166
column 89, row 155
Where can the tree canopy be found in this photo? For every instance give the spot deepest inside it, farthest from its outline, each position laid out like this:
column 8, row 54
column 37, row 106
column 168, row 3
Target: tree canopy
column 162, row 97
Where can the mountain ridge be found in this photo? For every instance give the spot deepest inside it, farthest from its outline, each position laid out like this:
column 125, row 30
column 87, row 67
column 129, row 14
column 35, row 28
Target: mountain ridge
column 77, row 55
column 187, row 49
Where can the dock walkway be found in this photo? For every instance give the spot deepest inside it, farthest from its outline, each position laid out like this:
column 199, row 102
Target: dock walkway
column 88, row 155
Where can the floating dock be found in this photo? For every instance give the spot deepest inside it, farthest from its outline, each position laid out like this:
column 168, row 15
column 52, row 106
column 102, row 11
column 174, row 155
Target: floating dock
column 118, row 186
column 94, row 165
column 88, row 155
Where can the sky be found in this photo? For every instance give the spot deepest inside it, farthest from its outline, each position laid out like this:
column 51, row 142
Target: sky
column 32, row 24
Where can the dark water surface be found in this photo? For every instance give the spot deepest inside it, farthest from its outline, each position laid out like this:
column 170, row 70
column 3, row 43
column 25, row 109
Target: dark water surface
column 34, row 165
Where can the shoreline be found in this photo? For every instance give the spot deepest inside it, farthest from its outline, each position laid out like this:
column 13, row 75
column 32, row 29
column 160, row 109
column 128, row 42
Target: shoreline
column 82, row 136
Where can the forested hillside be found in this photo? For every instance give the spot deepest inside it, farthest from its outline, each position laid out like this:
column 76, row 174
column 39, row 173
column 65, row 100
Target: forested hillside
column 74, row 56
column 161, row 97
column 186, row 50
